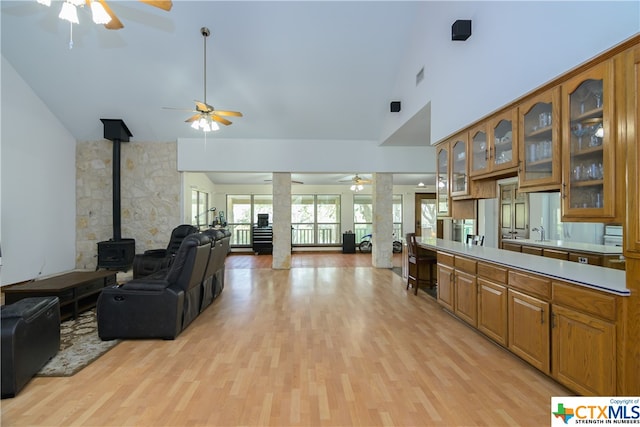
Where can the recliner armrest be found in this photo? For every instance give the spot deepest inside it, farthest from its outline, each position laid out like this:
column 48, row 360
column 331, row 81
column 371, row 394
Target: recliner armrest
column 159, row 253
column 145, row 285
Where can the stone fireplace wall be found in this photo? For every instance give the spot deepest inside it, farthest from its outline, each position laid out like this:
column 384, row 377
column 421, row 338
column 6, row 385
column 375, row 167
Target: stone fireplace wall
column 150, row 196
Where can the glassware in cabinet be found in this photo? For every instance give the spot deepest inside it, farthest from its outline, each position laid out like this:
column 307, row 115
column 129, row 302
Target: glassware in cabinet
column 479, row 150
column 459, row 166
column 502, row 131
column 539, row 130
column 442, row 182
column 588, row 152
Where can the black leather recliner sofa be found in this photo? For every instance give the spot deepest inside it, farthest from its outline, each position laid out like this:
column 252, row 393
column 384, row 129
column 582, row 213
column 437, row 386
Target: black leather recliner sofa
column 160, row 305
column 154, row 260
column 213, row 282
column 30, row 337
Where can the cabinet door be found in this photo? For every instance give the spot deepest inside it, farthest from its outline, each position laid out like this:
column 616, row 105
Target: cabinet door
column 445, row 286
column 503, row 137
column 588, row 153
column 584, row 352
column 492, row 311
column 479, row 150
column 466, row 298
column 459, row 166
column 539, row 131
column 529, row 334
column 443, row 207
column 632, row 109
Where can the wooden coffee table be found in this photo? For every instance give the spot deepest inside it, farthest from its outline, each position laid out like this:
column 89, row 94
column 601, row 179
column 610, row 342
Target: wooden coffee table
column 78, row 291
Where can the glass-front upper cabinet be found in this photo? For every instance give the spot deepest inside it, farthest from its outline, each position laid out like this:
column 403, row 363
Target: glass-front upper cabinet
column 479, row 150
column 459, row 165
column 539, row 128
column 588, row 149
column 443, row 208
column 502, row 133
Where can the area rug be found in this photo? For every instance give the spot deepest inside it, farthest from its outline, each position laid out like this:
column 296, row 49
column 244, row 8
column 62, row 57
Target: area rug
column 79, row 346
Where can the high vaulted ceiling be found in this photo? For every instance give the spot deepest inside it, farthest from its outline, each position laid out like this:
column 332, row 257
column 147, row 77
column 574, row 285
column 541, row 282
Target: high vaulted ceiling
column 296, row 69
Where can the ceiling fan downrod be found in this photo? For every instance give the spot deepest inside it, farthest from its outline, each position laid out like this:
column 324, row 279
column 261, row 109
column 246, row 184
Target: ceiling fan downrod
column 205, row 33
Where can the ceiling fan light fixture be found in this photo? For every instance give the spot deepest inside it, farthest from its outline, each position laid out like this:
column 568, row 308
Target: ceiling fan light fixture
column 44, row 2
column 99, row 14
column 69, row 13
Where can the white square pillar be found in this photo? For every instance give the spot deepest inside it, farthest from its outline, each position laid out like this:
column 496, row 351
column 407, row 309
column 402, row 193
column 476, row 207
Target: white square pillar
column 281, row 221
column 382, row 251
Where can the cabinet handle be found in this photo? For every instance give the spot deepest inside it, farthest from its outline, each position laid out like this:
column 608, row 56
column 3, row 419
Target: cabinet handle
column 553, row 320
column 542, row 316
column 564, row 190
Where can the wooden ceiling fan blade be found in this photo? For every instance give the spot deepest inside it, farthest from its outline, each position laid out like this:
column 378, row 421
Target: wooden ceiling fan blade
column 193, row 118
column 115, row 23
column 180, row 109
column 220, row 120
column 203, row 107
column 228, row 113
column 160, row 4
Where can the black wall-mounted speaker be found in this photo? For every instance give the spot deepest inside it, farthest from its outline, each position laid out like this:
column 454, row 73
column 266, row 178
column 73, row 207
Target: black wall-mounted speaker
column 395, row 106
column 461, row 29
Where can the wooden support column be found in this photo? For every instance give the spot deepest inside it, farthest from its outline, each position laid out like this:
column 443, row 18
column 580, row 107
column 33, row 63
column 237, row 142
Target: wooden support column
column 281, row 220
column 382, row 253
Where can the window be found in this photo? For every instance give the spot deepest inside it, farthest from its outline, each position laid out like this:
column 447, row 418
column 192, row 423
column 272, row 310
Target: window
column 363, row 215
column 242, row 213
column 199, row 208
column 315, row 219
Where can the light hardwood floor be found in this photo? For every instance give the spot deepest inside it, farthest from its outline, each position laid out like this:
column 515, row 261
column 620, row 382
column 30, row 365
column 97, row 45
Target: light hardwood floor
column 330, row 342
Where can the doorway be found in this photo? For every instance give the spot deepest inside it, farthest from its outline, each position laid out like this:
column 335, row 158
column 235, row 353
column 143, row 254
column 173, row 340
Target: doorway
column 514, row 213
column 425, row 215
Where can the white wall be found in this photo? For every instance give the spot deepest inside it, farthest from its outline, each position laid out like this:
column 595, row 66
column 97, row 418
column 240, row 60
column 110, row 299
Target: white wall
column 232, row 155
column 515, row 47
column 38, row 186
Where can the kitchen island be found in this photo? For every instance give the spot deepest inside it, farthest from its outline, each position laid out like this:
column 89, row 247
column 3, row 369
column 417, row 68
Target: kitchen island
column 564, row 318
column 584, row 253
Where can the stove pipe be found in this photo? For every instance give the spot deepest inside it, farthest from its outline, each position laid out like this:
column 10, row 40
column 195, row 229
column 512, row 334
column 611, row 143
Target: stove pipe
column 116, row 131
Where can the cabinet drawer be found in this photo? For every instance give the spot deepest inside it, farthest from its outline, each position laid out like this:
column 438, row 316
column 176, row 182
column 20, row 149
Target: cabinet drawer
column 583, row 258
column 532, row 250
column 492, row 272
column 465, row 264
column 445, row 259
column 511, row 247
column 553, row 253
column 585, row 300
column 534, row 285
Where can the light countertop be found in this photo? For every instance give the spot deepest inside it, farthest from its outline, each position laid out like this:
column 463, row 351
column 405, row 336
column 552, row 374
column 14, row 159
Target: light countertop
column 575, row 246
column 600, row 278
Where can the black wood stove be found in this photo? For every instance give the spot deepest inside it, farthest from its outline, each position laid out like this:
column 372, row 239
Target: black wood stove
column 116, row 253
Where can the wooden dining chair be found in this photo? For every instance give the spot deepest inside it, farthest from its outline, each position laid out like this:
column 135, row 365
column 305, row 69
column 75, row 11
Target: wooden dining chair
column 475, row 239
column 418, row 258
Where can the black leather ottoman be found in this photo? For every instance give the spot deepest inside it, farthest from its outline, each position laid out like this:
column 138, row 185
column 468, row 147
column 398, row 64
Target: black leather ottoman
column 30, row 337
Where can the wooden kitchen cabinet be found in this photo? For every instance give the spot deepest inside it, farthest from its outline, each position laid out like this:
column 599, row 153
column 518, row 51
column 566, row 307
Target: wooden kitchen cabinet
column 494, row 145
column 529, row 332
column 492, row 302
column 584, row 352
column 631, row 107
column 459, row 147
column 540, row 166
column 466, row 297
column 480, row 150
column 513, row 247
column 584, row 340
column 443, row 197
column 588, row 156
column 445, row 286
